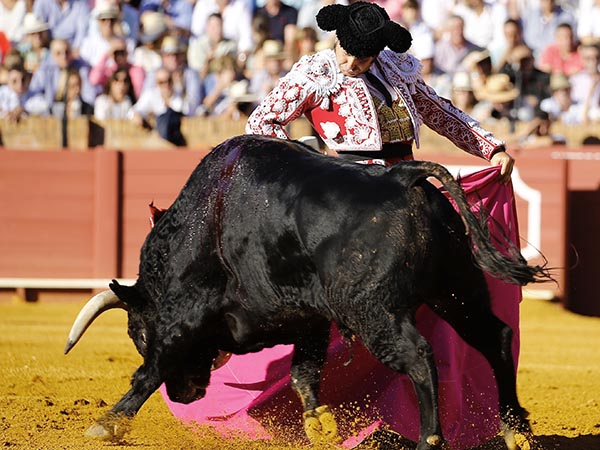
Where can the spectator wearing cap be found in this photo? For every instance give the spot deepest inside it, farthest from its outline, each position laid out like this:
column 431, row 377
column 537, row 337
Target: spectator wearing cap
column 453, row 46
column 560, row 105
column 12, row 15
column 116, row 57
column 210, row 45
column 237, row 22
column 153, row 27
column 562, row 55
column 35, row 43
column 185, row 80
column 68, row 19
column 51, row 79
column 96, row 45
column 178, row 15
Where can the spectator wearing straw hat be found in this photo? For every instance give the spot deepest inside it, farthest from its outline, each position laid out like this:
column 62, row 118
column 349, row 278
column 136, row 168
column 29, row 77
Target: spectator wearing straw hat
column 68, row 19
column 178, row 15
column 495, row 100
column 35, row 43
column 560, row 105
column 153, row 27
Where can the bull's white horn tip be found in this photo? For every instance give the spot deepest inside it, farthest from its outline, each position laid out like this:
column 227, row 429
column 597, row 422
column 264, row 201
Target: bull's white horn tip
column 69, row 345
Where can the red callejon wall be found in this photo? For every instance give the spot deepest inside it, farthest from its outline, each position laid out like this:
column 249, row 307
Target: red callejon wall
column 46, row 214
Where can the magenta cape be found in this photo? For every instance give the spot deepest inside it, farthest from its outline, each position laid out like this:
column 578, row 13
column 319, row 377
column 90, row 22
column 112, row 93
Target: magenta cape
column 252, row 393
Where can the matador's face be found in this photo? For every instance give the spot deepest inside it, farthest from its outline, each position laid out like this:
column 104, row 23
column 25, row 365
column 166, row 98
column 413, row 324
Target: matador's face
column 351, row 66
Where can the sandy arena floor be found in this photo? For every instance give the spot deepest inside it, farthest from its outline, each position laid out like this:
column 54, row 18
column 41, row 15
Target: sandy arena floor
column 48, row 400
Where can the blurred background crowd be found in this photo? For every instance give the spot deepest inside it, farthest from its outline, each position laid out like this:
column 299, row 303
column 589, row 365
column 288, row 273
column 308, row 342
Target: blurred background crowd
column 155, row 61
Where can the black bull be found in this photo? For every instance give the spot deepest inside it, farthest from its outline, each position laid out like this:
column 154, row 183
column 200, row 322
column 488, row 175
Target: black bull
column 268, row 242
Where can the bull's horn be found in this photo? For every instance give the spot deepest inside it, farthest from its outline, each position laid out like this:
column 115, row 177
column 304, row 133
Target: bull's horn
column 93, row 308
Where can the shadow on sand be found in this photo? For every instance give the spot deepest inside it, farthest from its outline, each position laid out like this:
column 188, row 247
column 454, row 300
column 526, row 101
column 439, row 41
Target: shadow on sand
column 383, row 440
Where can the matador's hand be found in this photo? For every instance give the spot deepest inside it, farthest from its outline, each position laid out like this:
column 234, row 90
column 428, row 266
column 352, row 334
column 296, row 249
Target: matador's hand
column 506, row 161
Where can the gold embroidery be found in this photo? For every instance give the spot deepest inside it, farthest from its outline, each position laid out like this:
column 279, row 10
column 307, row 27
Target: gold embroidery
column 394, row 121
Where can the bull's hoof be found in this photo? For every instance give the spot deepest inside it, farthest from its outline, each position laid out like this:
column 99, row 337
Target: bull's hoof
column 320, row 425
column 517, row 440
column 433, row 442
column 109, row 428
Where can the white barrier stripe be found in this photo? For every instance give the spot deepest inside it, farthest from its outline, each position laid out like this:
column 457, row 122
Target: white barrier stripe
column 61, row 283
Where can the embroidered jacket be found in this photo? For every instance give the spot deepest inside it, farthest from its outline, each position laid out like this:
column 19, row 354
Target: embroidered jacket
column 341, row 109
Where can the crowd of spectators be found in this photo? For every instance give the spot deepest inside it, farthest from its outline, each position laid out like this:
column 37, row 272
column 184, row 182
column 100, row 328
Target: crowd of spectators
column 155, row 61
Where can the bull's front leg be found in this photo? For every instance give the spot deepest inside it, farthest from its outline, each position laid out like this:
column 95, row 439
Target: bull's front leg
column 116, row 423
column 309, row 356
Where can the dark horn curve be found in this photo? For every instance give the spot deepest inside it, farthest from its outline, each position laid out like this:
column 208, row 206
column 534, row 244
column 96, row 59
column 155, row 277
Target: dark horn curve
column 98, row 304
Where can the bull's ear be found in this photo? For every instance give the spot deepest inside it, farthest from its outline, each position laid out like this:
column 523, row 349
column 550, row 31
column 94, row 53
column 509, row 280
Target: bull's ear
column 127, row 294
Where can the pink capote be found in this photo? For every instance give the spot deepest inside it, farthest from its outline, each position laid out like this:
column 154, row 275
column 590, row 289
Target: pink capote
column 252, row 393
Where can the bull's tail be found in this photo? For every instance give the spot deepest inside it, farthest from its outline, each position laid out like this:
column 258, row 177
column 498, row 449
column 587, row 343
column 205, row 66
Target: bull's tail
column 512, row 269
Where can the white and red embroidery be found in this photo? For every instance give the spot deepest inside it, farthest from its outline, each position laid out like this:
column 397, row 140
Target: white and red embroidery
column 316, row 88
